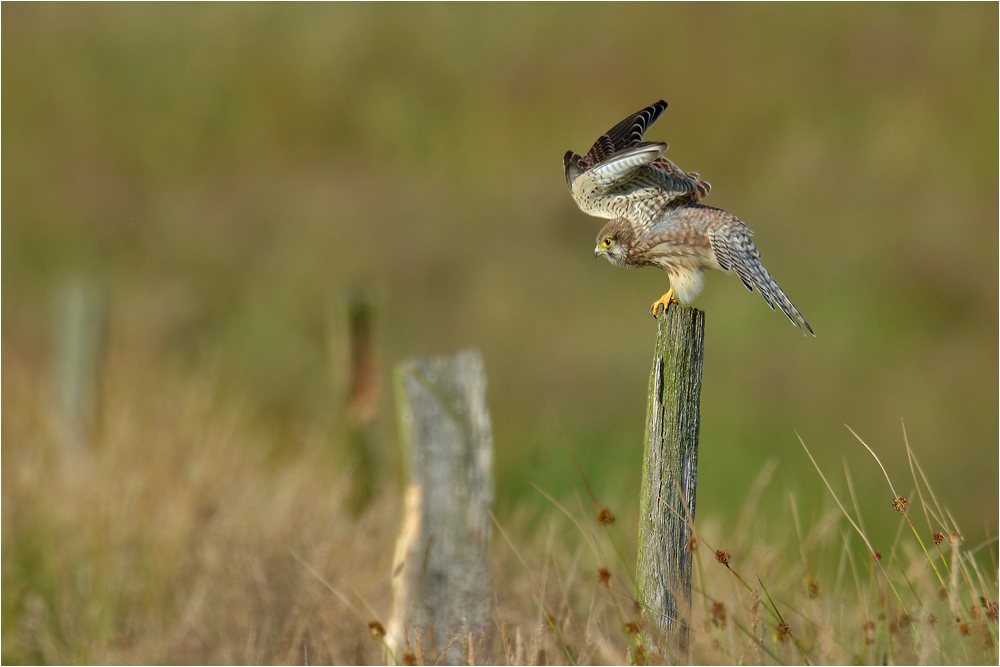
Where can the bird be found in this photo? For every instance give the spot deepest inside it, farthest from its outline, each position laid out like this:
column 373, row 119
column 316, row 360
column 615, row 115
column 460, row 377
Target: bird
column 656, row 217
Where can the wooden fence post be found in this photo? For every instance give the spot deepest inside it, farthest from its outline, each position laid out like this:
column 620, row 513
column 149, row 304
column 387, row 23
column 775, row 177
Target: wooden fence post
column 669, row 475
column 362, row 399
column 440, row 579
column 80, row 344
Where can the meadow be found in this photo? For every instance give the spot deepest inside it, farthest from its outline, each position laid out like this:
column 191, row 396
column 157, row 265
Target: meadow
column 227, row 177
column 201, row 548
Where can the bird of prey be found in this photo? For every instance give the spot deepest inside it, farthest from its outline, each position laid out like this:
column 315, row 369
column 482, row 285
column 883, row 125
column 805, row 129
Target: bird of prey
column 656, row 218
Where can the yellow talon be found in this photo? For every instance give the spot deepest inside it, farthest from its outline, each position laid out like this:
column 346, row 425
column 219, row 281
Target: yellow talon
column 664, row 301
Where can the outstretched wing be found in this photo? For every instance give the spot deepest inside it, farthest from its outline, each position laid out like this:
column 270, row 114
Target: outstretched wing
column 622, row 175
column 735, row 250
column 626, row 134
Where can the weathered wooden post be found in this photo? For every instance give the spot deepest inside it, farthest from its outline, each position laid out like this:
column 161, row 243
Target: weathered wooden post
column 669, row 474
column 80, row 342
column 440, row 578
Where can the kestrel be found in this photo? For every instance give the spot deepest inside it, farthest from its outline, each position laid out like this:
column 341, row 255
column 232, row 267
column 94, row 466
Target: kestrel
column 656, row 218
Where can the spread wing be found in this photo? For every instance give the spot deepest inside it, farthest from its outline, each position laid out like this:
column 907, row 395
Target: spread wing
column 623, row 175
column 625, row 134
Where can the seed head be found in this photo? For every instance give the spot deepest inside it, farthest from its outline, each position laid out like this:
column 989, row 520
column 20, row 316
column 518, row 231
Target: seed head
column 605, row 517
column 719, row 614
column 722, row 556
column 990, row 607
column 376, row 629
column 631, row 628
column 813, row 589
column 692, row 544
column 409, row 659
column 869, row 626
column 877, row 556
column 900, row 504
column 550, row 622
column 938, row 537
column 964, row 628
column 783, row 631
column 954, row 537
column 603, row 576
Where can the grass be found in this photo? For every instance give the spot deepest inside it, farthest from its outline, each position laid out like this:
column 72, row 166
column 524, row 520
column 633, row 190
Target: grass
column 180, row 537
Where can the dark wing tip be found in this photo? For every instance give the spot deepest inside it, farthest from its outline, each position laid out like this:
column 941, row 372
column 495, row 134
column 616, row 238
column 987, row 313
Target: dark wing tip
column 653, row 110
column 626, row 134
column 573, row 165
column 632, row 129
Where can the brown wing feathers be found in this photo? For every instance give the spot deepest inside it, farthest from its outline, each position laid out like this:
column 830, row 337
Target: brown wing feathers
column 625, row 134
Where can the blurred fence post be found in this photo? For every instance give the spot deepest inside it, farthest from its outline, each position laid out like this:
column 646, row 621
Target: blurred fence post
column 669, row 475
column 440, row 578
column 80, row 342
column 362, row 398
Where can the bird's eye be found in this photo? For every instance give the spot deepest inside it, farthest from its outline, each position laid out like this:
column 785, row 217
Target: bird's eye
column 607, row 242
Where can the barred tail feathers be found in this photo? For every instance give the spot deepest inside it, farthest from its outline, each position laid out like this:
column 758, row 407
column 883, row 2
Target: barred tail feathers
column 773, row 294
column 735, row 250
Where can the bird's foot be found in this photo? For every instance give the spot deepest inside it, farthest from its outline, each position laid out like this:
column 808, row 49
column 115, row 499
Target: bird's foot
column 664, row 301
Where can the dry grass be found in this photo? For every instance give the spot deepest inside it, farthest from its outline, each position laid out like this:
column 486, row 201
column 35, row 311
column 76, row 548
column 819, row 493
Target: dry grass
column 176, row 540
column 181, row 538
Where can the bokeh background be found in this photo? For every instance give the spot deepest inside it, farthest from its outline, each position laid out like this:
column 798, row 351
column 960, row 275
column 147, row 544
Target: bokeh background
column 230, row 174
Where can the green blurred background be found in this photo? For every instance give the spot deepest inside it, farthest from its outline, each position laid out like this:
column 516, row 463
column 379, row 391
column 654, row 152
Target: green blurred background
column 231, row 172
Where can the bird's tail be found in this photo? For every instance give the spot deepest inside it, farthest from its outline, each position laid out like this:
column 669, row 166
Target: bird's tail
column 735, row 250
column 760, row 278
